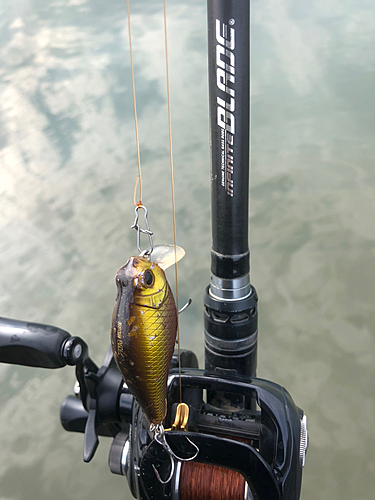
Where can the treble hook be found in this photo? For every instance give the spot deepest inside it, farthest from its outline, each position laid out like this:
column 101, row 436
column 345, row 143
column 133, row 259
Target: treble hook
column 159, row 437
column 144, row 253
column 170, row 475
column 183, row 308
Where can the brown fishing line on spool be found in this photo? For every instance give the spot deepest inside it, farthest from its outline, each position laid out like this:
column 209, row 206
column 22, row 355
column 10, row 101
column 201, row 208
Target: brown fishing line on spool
column 208, row 482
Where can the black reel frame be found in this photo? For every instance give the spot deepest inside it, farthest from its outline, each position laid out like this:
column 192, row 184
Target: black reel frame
column 270, row 462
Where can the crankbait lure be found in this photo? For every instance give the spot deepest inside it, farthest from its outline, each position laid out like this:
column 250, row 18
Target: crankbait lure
column 143, row 333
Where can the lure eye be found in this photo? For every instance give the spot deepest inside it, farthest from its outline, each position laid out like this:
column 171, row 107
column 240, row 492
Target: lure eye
column 149, row 278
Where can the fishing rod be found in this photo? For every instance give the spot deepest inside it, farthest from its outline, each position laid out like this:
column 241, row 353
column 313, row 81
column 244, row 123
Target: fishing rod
column 237, row 436
column 230, row 300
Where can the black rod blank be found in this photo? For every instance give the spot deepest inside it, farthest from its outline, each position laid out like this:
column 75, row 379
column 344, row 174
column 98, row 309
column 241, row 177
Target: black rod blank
column 229, row 87
column 230, row 319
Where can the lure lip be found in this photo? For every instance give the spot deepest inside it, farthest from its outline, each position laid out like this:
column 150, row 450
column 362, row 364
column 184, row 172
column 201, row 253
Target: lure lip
column 167, row 255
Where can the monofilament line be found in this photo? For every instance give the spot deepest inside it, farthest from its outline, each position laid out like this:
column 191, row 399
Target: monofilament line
column 139, row 179
column 172, row 187
column 250, row 148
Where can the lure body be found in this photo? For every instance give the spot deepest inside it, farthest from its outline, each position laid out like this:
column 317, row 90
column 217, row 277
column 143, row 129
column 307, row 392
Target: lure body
column 143, row 333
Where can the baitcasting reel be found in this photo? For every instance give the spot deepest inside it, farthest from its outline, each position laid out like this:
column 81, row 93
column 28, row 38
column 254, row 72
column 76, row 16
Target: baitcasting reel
column 249, row 425
column 267, row 445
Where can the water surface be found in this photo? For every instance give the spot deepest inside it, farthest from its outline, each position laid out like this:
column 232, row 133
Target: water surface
column 67, row 174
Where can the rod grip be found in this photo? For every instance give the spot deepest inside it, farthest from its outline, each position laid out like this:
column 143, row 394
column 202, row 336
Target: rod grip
column 32, row 344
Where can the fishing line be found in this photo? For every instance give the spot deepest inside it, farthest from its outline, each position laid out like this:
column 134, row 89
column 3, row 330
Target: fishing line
column 172, row 188
column 250, row 148
column 139, row 178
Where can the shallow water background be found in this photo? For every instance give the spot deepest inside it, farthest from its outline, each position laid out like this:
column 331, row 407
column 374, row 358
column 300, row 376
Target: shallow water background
column 67, row 174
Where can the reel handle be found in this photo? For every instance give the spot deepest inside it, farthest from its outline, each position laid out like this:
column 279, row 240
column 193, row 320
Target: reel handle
column 36, row 344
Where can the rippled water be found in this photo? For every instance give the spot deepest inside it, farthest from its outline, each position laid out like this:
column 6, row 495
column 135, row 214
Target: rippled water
column 68, row 168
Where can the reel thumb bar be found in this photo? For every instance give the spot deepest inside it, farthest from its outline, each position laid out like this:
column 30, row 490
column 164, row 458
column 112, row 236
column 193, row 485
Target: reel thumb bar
column 230, row 300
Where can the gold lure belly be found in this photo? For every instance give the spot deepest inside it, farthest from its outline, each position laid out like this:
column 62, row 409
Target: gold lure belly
column 143, row 333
